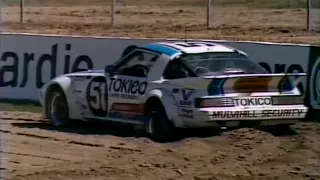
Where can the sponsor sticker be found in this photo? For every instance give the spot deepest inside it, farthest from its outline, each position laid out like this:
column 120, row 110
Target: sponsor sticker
column 186, row 97
column 130, row 111
column 185, row 112
column 257, row 114
column 127, row 88
column 128, row 107
column 253, row 101
column 252, row 84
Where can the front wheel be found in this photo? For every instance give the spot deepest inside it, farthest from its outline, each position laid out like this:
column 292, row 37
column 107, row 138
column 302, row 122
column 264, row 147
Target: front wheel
column 159, row 127
column 57, row 108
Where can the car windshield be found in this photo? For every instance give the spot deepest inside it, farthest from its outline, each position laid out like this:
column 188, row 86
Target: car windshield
column 221, row 63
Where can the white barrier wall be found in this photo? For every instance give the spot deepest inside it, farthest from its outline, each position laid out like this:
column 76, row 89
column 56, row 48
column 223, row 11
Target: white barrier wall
column 28, row 61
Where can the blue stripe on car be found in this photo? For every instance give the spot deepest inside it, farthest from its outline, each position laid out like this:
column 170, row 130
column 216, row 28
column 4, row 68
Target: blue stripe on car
column 215, row 87
column 286, row 85
column 162, row 49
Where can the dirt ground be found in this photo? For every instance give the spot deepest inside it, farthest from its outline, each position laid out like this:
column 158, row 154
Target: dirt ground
column 147, row 18
column 33, row 150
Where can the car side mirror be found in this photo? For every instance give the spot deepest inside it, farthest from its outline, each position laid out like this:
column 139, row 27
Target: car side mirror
column 108, row 70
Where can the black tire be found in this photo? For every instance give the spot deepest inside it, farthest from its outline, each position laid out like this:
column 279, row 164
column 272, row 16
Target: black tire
column 279, row 129
column 159, row 127
column 312, row 115
column 57, row 108
column 281, row 126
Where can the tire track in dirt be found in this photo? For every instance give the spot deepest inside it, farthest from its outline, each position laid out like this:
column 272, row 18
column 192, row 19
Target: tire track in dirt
column 33, row 117
column 8, row 116
column 52, row 138
column 170, row 165
column 31, row 155
column 21, row 119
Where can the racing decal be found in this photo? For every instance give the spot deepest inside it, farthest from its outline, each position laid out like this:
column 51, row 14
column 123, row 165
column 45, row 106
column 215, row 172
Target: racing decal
column 186, row 112
column 128, row 107
column 97, row 96
column 215, row 87
column 127, row 88
column 128, row 111
column 79, row 97
column 186, row 97
column 252, row 84
column 249, row 85
column 79, row 84
column 257, row 114
column 253, row 101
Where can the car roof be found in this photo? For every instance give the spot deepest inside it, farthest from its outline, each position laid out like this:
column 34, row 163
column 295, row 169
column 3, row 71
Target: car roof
column 179, row 47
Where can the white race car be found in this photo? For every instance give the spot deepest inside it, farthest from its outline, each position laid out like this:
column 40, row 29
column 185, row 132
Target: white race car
column 165, row 85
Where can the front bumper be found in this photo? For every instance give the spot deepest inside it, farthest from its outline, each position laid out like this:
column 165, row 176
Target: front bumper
column 273, row 115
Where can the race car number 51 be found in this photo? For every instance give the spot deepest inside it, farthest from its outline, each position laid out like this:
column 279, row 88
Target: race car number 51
column 253, row 101
column 97, row 96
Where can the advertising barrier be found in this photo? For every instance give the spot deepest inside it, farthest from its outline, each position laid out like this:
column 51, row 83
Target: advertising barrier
column 29, row 61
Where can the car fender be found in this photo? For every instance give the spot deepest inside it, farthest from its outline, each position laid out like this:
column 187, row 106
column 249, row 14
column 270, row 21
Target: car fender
column 64, row 82
column 169, row 103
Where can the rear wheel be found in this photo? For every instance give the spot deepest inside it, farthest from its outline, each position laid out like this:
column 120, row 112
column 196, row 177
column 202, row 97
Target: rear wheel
column 159, row 127
column 281, row 126
column 57, row 108
column 279, row 129
column 312, row 115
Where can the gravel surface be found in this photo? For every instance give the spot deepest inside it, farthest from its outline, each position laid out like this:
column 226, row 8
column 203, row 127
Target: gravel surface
column 33, row 149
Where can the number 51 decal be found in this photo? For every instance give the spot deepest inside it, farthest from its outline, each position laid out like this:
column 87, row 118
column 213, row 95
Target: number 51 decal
column 97, row 96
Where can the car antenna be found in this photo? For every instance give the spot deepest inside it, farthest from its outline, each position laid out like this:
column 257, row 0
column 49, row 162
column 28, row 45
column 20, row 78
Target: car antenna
column 185, row 32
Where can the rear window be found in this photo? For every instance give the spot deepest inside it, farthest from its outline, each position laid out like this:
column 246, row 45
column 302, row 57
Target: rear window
column 222, row 63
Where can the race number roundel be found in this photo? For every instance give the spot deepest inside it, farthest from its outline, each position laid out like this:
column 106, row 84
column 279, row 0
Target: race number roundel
column 97, row 96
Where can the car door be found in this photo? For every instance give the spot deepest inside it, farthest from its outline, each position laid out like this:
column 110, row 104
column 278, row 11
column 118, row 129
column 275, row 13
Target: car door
column 94, row 93
column 128, row 84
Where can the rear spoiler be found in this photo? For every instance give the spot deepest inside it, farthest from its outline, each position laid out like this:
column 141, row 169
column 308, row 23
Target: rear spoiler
column 249, row 83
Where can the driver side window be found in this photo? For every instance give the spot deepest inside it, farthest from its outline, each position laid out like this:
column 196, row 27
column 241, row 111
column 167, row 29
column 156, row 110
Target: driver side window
column 137, row 64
